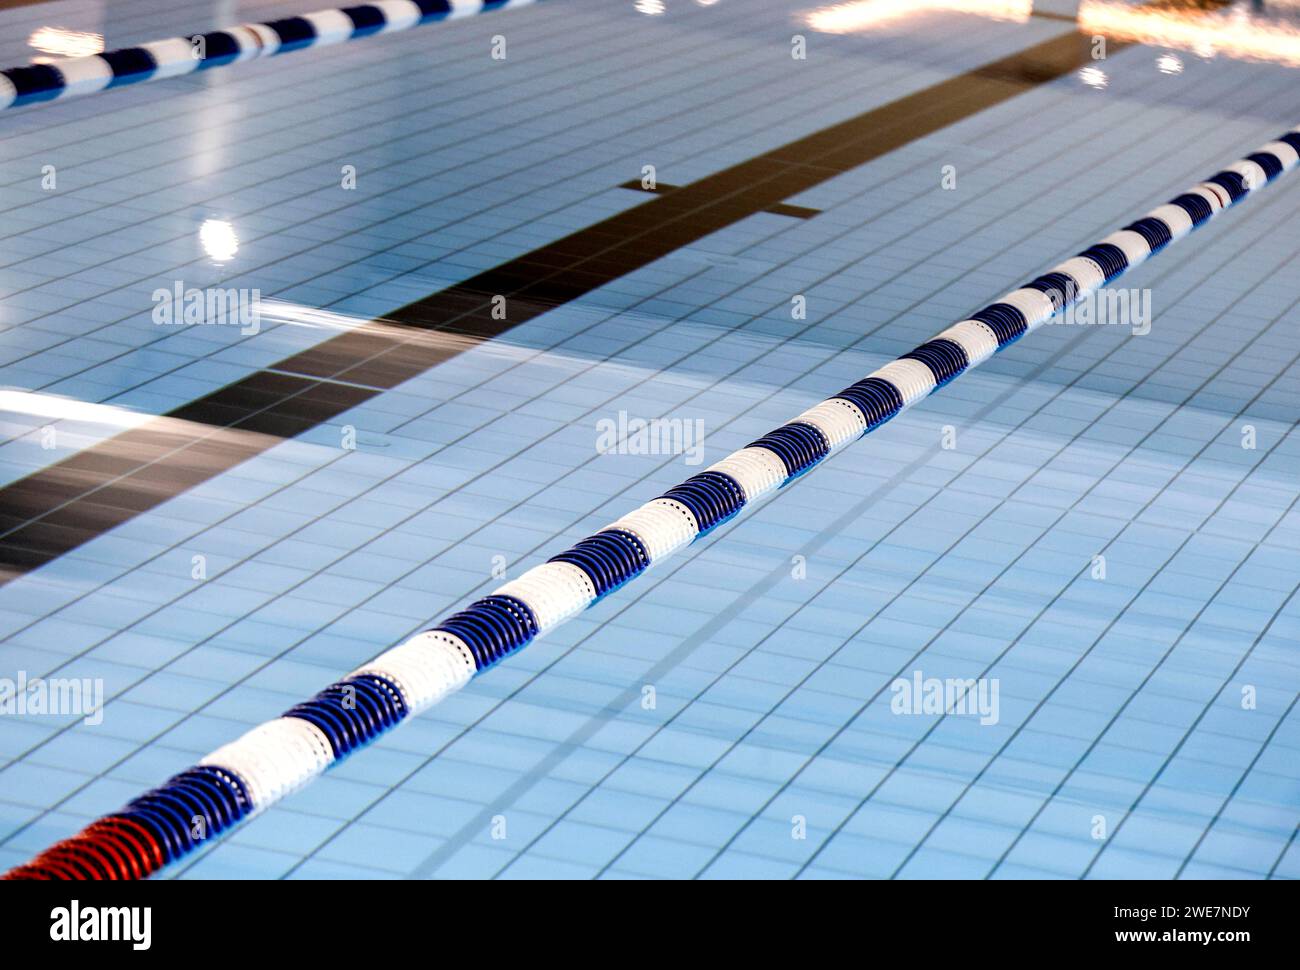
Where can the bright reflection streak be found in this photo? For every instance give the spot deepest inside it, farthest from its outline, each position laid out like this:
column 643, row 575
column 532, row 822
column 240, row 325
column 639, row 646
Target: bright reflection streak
column 845, row 18
column 56, row 408
column 651, row 8
column 1094, row 77
column 315, row 318
column 218, row 240
column 281, row 311
column 66, row 43
column 298, row 315
column 1169, row 64
column 1237, row 34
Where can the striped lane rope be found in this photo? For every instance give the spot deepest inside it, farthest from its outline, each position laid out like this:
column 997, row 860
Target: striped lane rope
column 70, row 77
column 261, row 767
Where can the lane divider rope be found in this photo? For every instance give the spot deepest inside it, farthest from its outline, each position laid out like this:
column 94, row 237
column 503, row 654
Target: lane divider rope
column 70, row 77
column 261, row 767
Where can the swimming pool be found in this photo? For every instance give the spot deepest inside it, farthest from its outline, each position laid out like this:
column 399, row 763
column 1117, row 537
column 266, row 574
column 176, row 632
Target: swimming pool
column 1097, row 527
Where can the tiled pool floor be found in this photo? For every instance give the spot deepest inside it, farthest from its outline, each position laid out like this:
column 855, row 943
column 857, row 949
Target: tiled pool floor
column 1102, row 524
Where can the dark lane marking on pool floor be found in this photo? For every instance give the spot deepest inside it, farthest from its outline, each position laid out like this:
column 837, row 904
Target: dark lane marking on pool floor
column 780, row 209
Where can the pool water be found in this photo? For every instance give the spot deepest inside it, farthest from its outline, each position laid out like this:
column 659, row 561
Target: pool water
column 1097, row 529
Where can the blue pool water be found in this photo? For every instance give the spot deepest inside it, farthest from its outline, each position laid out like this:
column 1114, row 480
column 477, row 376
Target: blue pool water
column 728, row 714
